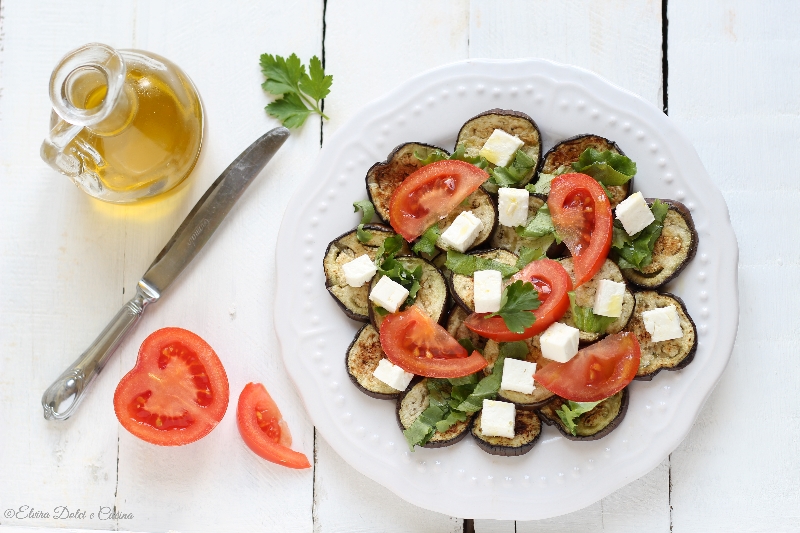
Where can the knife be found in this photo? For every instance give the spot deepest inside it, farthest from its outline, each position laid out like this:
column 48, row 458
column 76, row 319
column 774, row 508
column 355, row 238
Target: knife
column 62, row 397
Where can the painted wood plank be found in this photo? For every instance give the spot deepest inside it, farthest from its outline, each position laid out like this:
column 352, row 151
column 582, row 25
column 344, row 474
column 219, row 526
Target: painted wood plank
column 62, row 270
column 370, row 48
column 733, row 91
column 226, row 295
column 620, row 40
column 495, row 526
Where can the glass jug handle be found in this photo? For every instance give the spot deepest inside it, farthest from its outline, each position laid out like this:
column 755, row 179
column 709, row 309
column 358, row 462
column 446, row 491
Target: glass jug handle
column 52, row 150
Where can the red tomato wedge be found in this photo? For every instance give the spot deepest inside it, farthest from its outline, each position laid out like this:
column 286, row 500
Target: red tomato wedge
column 596, row 372
column 176, row 393
column 582, row 217
column 263, row 429
column 417, row 344
column 553, row 284
column 430, row 193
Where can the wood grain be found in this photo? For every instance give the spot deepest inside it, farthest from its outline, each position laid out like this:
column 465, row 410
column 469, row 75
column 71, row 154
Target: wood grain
column 733, row 91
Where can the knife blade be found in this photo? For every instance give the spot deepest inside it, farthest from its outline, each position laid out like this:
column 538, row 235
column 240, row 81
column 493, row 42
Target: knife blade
column 61, row 399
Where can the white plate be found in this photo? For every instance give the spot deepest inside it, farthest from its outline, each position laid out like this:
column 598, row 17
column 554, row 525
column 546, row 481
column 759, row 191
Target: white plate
column 558, row 476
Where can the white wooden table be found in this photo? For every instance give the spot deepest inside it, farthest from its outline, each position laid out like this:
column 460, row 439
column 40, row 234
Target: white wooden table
column 725, row 71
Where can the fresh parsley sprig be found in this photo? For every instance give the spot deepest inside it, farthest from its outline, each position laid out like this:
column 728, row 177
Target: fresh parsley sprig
column 517, row 304
column 301, row 92
column 427, row 242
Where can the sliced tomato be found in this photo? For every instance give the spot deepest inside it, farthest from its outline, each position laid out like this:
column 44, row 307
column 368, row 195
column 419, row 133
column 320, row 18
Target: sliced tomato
column 582, row 217
column 551, row 281
column 263, row 429
column 417, row 344
column 430, row 193
column 596, row 372
column 176, row 393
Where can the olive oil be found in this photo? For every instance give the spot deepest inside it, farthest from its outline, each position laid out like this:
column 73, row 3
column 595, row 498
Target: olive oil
column 146, row 140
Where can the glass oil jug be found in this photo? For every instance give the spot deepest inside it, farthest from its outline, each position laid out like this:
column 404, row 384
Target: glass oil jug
column 127, row 124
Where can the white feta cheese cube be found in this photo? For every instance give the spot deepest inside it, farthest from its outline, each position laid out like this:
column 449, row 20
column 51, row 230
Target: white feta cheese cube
column 359, row 271
column 392, row 375
column 500, row 147
column 608, row 298
column 462, row 232
column 488, row 291
column 497, row 419
column 518, row 376
column 634, row 213
column 559, row 342
column 513, row 206
column 388, row 294
column 663, row 324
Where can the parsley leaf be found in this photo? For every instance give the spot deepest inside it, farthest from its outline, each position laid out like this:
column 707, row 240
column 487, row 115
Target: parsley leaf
column 368, row 211
column 316, row 85
column 586, row 320
column 608, row 168
column 300, row 92
column 467, row 265
column 427, row 243
column 637, row 251
column 516, row 305
column 570, row 411
column 467, row 344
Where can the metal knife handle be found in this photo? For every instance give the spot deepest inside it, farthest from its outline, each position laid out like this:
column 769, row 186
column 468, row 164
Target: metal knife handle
column 62, row 397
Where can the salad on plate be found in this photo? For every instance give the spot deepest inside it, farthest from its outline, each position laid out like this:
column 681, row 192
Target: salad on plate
column 503, row 288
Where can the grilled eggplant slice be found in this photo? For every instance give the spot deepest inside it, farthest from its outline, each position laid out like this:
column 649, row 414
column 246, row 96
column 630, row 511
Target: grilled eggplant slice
column 477, row 130
column 432, row 296
column 540, row 395
column 411, row 404
column 664, row 355
column 482, row 206
column 506, row 237
column 675, row 247
column 383, row 178
column 593, row 425
column 463, row 287
column 567, row 152
column 584, row 296
column 456, row 328
column 343, row 249
column 363, row 356
column 527, row 428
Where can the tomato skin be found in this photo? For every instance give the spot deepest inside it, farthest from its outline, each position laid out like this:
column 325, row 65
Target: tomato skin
column 580, row 208
column 430, row 193
column 184, row 387
column 598, row 371
column 406, row 334
column 271, row 443
column 553, row 283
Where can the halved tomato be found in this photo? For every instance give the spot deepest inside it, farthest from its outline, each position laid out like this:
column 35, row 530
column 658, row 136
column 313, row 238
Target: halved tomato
column 417, row 344
column 176, row 393
column 582, row 217
column 551, row 281
column 430, row 193
column 263, row 429
column 596, row 372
